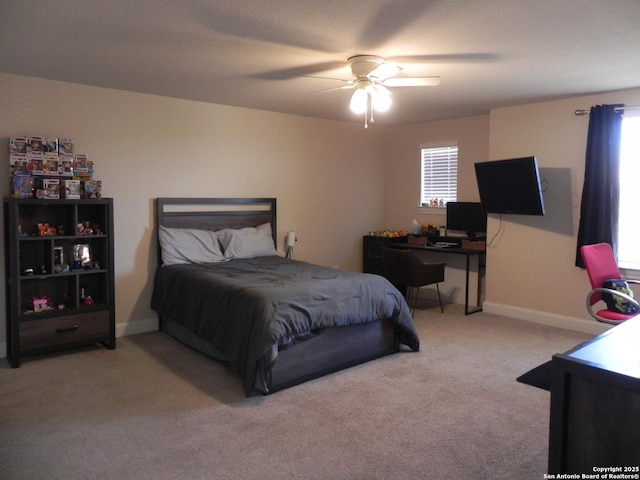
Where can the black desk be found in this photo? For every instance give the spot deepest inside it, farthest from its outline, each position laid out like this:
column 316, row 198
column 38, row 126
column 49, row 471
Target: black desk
column 595, row 400
column 467, row 252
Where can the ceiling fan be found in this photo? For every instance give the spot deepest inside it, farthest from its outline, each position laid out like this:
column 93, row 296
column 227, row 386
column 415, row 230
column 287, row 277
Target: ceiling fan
column 372, row 78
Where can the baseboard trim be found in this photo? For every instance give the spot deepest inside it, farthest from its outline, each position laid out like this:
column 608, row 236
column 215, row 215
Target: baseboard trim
column 141, row 326
column 545, row 318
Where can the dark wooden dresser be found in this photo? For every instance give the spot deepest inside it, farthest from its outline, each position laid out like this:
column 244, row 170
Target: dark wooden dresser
column 595, row 404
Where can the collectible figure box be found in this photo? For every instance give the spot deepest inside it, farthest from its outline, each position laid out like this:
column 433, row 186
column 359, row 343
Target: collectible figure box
column 65, row 146
column 51, row 187
column 35, row 163
column 17, row 145
column 22, row 186
column 93, row 189
column 66, row 165
column 80, row 163
column 48, row 168
column 49, row 145
column 71, row 189
column 18, row 163
column 51, row 163
column 34, row 144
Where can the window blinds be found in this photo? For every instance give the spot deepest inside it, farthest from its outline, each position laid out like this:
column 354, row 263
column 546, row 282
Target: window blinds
column 439, row 175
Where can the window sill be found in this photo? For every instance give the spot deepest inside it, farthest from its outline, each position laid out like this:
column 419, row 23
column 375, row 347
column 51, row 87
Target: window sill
column 630, row 273
column 432, row 210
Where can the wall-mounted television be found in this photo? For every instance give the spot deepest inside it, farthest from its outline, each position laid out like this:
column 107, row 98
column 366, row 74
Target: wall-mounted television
column 510, row 186
column 467, row 217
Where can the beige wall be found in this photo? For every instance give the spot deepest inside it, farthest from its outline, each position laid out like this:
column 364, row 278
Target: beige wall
column 334, row 181
column 402, row 186
column 530, row 270
column 327, row 176
column 530, row 264
column 402, row 165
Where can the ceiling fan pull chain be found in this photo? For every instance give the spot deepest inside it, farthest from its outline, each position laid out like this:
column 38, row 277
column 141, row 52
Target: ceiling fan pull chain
column 366, row 112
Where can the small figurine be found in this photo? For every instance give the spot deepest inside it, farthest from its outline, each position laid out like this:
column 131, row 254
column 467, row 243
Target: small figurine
column 41, row 304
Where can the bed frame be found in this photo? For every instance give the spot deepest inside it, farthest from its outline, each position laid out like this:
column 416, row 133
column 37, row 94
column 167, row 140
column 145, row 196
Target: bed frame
column 335, row 349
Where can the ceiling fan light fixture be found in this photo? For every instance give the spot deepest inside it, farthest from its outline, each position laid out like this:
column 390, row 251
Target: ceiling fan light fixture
column 371, row 76
column 381, row 98
column 370, row 96
column 359, row 101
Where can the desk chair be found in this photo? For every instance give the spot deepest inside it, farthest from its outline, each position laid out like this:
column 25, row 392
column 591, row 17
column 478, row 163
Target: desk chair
column 601, row 266
column 404, row 268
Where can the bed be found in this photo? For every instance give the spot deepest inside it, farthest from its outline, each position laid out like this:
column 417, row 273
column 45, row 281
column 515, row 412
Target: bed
column 221, row 288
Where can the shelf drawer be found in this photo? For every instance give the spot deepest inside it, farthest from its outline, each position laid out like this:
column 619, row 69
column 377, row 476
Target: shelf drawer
column 59, row 331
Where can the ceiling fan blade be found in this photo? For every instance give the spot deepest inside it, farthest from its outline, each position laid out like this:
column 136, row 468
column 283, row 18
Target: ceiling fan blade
column 335, row 79
column 385, row 71
column 388, row 20
column 242, row 22
column 445, row 58
column 412, row 82
column 300, row 71
column 343, row 87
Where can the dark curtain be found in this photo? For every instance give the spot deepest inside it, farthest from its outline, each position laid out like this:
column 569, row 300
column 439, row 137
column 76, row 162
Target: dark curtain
column 601, row 189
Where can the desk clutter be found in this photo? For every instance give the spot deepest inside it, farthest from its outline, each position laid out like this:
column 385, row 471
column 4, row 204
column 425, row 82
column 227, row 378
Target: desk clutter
column 435, row 240
column 447, row 242
column 418, row 240
column 474, row 244
column 397, row 235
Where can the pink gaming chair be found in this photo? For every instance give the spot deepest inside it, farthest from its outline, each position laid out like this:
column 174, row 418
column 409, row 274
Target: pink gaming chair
column 601, row 266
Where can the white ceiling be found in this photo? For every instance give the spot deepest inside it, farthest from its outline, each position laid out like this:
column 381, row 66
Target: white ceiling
column 259, row 53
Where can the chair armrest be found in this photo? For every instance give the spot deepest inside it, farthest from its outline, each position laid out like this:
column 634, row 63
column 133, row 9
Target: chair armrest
column 600, row 291
column 614, row 293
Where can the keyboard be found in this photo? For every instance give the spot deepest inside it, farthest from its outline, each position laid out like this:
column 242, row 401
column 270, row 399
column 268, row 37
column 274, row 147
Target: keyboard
column 445, row 244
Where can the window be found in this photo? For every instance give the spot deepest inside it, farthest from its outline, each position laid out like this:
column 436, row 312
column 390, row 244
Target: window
column 439, row 176
column 628, row 225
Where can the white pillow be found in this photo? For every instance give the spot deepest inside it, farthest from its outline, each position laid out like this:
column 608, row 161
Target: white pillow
column 189, row 245
column 247, row 242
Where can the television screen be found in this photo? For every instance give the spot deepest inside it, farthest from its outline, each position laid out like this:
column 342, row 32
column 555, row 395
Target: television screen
column 510, row 186
column 468, row 217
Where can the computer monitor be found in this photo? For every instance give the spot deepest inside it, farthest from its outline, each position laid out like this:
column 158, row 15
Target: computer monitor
column 467, row 217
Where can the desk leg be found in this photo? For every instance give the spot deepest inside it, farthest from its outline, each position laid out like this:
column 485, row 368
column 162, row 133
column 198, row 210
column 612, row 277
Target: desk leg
column 466, row 290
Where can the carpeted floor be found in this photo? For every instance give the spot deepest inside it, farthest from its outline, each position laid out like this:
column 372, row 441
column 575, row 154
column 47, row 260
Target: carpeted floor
column 154, row 409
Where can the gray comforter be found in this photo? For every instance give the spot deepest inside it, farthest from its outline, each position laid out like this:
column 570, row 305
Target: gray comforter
column 245, row 307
